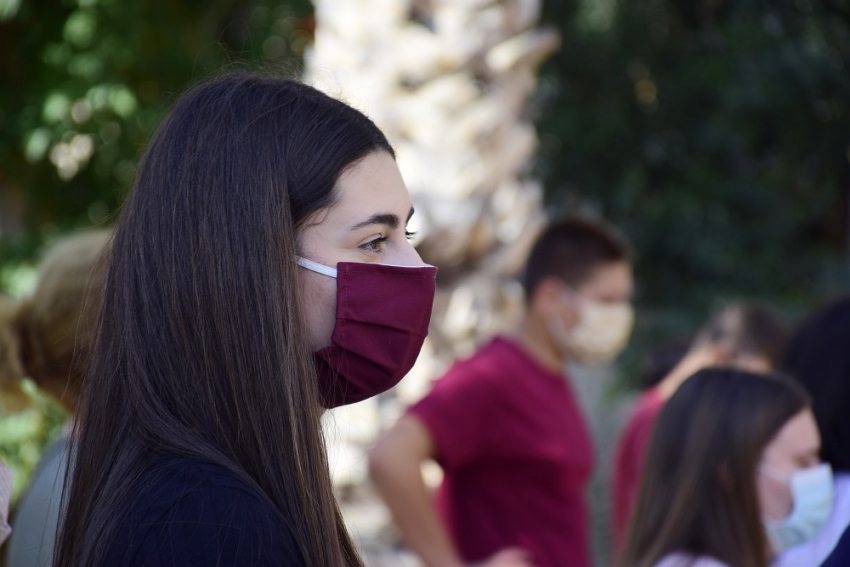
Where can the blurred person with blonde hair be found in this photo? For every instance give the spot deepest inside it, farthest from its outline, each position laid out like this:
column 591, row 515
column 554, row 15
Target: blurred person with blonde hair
column 747, row 336
column 46, row 337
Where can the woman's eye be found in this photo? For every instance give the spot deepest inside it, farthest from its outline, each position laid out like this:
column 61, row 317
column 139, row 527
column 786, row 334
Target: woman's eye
column 410, row 235
column 376, row 245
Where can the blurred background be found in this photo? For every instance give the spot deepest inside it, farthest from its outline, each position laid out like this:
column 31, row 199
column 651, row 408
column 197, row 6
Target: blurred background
column 714, row 134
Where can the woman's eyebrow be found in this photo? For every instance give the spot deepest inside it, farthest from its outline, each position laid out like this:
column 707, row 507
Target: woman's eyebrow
column 389, row 219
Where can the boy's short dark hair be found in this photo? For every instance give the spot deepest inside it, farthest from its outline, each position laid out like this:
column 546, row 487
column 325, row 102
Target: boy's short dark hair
column 571, row 250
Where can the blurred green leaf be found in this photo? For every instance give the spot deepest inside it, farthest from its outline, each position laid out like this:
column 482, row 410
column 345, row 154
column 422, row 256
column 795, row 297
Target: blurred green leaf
column 716, row 135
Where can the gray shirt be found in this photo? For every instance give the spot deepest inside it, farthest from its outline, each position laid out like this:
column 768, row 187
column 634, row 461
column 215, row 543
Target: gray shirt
column 34, row 523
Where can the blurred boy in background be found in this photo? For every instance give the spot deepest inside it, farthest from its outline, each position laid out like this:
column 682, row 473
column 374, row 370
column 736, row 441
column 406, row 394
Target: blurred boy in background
column 745, row 336
column 505, row 425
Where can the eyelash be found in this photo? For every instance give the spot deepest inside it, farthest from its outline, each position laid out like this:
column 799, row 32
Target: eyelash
column 375, row 245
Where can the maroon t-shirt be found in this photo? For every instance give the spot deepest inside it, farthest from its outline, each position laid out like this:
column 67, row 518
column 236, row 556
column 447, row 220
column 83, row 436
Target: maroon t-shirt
column 516, row 455
column 631, row 454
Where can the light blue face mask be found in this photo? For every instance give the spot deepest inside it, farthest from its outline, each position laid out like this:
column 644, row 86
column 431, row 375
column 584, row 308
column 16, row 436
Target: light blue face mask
column 812, row 493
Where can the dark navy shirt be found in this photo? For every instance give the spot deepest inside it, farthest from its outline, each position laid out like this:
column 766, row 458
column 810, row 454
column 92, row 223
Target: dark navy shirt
column 192, row 513
column 840, row 556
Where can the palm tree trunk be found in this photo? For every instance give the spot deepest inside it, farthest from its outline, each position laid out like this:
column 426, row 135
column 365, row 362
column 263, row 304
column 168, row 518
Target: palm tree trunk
column 449, row 82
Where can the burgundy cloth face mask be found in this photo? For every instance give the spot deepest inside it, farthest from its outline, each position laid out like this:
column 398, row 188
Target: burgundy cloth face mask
column 382, row 316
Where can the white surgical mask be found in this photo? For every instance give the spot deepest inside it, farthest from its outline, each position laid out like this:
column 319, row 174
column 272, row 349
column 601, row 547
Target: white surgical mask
column 602, row 332
column 811, row 491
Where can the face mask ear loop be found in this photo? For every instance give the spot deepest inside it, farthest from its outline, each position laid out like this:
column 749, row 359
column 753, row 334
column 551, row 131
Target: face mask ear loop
column 774, row 473
column 555, row 323
column 556, row 326
column 316, row 267
column 572, row 293
column 573, row 298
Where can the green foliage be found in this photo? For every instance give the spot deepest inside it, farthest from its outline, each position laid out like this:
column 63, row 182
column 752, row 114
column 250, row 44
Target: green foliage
column 83, row 85
column 24, row 436
column 716, row 135
column 86, row 82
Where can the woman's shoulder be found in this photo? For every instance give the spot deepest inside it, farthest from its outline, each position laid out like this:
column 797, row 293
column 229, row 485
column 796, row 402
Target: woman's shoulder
column 188, row 512
column 841, row 554
column 171, row 475
column 680, row 559
column 172, row 484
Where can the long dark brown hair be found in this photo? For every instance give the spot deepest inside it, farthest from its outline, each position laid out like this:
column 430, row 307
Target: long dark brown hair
column 201, row 348
column 698, row 492
column 819, row 359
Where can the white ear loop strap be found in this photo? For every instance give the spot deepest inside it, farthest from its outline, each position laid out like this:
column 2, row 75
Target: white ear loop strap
column 316, row 267
column 775, row 473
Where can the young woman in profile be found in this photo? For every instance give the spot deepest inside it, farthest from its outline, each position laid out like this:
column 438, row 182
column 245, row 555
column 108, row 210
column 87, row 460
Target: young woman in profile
column 260, row 272
column 732, row 475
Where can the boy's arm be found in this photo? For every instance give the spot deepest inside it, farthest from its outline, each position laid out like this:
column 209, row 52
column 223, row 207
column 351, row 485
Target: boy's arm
column 394, row 464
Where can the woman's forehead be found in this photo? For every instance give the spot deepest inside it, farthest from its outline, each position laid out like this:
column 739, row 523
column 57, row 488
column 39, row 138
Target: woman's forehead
column 373, row 186
column 798, row 436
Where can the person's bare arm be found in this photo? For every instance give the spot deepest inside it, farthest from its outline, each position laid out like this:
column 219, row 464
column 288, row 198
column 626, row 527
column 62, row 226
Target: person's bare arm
column 394, row 464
